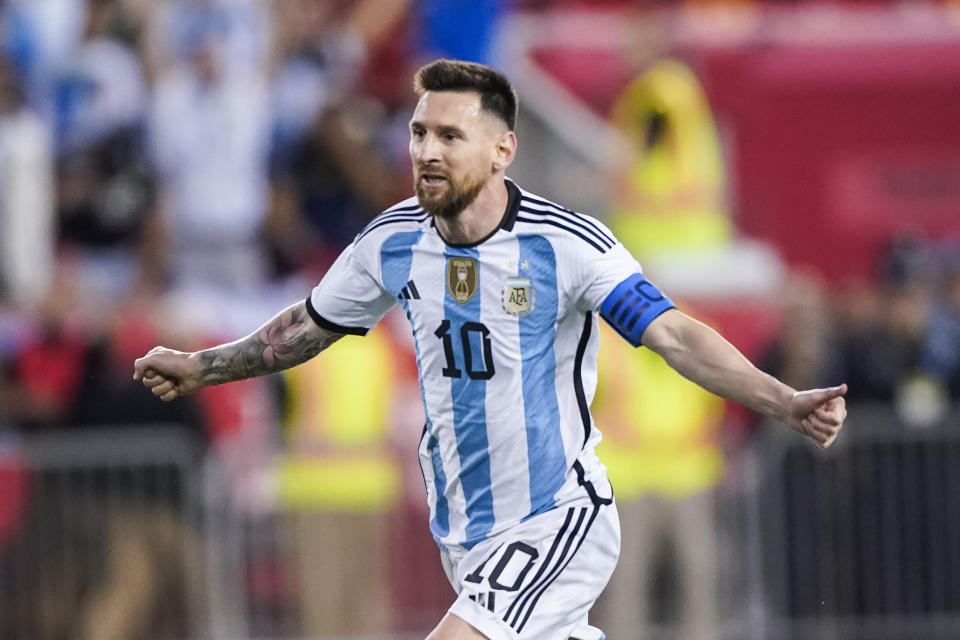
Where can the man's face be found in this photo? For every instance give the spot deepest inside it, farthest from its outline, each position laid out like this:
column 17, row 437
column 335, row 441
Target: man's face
column 453, row 147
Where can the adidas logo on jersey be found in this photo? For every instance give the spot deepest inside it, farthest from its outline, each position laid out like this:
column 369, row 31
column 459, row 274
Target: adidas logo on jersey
column 409, row 292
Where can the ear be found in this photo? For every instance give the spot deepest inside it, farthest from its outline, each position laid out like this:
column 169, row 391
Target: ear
column 504, row 150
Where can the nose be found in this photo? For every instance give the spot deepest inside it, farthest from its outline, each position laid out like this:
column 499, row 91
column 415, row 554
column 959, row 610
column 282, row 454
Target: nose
column 425, row 149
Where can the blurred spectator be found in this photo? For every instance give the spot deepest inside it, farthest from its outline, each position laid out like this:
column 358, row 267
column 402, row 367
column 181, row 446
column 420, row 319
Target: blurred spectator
column 340, row 478
column 670, row 204
column 101, row 88
column 175, row 27
column 105, row 194
column 210, row 145
column 671, row 196
column 107, row 376
column 46, row 365
column 882, row 333
column 661, row 448
column 890, row 340
column 328, row 175
column 150, row 580
column 941, row 350
column 661, row 432
column 26, row 205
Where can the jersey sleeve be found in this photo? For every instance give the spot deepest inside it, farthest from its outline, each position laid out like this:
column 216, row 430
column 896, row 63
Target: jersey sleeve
column 614, row 284
column 349, row 298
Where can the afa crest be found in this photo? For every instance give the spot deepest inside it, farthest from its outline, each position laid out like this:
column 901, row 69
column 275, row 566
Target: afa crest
column 462, row 277
column 517, row 296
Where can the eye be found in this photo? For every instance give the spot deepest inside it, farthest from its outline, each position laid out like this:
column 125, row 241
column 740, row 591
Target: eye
column 417, row 132
column 450, row 137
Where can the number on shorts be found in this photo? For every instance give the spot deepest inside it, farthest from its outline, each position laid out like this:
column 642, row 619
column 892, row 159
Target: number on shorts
column 496, row 574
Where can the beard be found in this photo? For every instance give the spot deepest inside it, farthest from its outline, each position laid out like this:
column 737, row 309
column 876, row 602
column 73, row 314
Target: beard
column 450, row 202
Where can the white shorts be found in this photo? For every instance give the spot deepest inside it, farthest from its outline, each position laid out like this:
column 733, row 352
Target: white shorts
column 538, row 580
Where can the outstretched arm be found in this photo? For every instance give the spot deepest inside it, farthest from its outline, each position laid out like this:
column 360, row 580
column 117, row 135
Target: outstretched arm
column 287, row 340
column 702, row 355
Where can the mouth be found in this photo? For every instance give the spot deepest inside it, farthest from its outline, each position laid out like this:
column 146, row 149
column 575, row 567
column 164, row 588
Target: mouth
column 430, row 180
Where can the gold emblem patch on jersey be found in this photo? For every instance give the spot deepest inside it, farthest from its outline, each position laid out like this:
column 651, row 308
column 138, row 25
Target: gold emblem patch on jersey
column 517, row 296
column 462, row 277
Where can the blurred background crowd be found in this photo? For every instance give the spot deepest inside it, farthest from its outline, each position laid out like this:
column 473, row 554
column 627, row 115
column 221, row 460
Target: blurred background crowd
column 176, row 171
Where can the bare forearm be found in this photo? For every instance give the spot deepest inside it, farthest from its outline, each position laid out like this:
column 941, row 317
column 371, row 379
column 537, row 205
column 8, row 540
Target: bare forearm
column 289, row 339
column 723, row 370
column 702, row 355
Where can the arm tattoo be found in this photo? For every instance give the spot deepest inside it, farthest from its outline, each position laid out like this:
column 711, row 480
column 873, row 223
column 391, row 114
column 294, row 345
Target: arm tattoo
column 287, row 340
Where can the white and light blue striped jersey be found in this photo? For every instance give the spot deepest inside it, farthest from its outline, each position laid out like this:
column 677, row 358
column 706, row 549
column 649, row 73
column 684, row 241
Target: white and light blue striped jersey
column 506, row 348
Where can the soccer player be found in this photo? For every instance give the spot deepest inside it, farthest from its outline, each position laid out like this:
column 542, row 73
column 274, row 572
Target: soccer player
column 502, row 289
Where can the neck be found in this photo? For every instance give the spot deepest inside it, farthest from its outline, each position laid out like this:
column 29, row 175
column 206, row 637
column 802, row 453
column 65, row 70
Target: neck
column 478, row 220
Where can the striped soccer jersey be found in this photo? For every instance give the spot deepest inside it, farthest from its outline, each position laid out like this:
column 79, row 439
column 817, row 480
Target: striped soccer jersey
column 506, row 349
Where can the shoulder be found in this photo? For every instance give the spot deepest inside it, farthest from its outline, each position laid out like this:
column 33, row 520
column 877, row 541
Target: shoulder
column 545, row 217
column 407, row 215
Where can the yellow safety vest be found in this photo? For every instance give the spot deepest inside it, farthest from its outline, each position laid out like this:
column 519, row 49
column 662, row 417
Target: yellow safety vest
column 337, row 421
column 670, row 197
column 659, row 429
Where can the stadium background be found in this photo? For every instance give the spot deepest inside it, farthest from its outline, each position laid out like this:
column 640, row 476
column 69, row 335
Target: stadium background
column 175, row 172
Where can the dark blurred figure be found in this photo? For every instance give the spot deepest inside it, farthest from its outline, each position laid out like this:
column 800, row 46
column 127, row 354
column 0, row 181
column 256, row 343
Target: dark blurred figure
column 888, row 335
column 941, row 350
column 882, row 333
column 104, row 191
column 896, row 340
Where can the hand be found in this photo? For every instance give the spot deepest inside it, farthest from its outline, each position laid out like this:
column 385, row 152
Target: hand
column 167, row 373
column 818, row 413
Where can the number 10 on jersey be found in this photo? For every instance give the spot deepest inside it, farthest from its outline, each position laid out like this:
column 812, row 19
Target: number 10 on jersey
column 477, row 350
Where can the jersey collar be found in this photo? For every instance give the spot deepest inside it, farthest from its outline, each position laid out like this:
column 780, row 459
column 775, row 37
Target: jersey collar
column 506, row 223
column 513, row 205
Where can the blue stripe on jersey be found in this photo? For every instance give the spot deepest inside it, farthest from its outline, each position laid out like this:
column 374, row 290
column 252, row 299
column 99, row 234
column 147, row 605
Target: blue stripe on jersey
column 632, row 306
column 469, row 394
column 396, row 260
column 440, row 522
column 546, row 459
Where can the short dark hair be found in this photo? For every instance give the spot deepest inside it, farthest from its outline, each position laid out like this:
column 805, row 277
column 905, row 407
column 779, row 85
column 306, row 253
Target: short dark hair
column 497, row 95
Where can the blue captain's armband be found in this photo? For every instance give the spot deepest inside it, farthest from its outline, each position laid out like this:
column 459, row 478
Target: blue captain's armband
column 632, row 306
